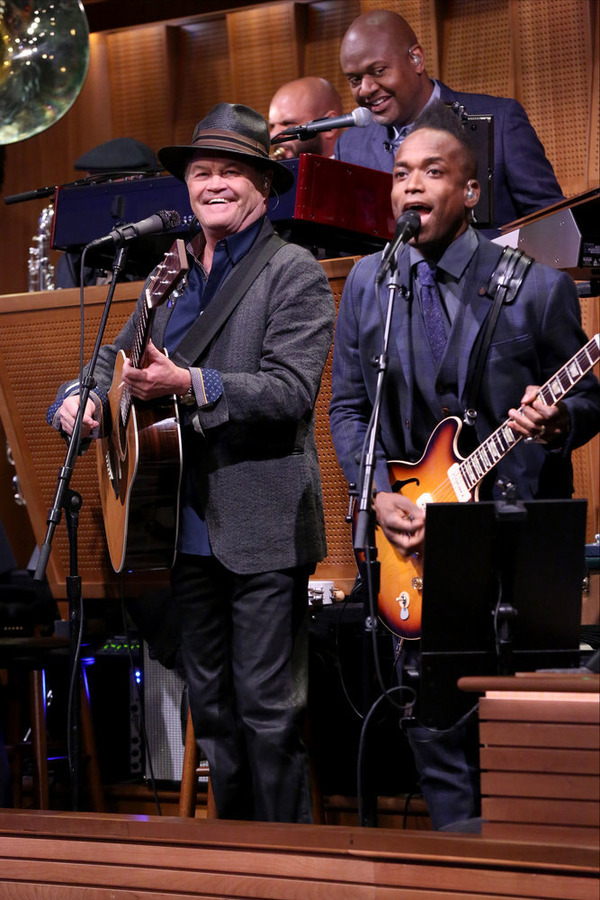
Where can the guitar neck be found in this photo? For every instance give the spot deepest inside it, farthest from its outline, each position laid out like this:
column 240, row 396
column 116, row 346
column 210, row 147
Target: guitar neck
column 140, row 343
column 160, row 285
column 158, row 289
column 476, row 466
column 142, row 334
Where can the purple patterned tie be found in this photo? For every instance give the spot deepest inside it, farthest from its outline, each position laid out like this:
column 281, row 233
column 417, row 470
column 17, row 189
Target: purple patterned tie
column 431, row 304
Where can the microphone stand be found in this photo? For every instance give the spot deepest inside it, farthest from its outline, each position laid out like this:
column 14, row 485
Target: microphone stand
column 302, row 134
column 71, row 502
column 366, row 490
column 98, row 178
column 364, row 534
column 38, row 193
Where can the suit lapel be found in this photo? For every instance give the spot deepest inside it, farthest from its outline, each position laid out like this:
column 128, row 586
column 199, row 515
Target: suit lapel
column 378, row 156
column 475, row 311
column 463, row 336
column 400, row 326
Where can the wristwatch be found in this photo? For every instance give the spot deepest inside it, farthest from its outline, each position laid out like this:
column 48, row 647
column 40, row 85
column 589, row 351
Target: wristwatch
column 189, row 398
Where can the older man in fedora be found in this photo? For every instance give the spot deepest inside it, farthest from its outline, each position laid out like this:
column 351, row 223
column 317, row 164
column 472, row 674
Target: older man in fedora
column 247, row 339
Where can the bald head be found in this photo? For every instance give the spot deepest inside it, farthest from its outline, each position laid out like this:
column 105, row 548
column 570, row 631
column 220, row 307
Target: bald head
column 384, row 64
column 311, row 94
column 373, row 24
column 301, row 101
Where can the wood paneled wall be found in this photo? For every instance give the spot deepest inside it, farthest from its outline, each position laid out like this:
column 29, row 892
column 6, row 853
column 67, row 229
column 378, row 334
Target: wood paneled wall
column 155, row 82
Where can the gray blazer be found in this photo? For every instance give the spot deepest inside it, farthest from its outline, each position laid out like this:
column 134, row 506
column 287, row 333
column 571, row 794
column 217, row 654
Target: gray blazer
column 253, row 452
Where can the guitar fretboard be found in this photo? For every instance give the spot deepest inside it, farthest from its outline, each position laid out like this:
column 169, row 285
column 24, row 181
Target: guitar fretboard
column 137, row 352
column 476, row 466
column 162, row 283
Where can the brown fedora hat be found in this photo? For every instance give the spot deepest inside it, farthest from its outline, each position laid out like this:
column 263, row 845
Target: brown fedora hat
column 235, row 130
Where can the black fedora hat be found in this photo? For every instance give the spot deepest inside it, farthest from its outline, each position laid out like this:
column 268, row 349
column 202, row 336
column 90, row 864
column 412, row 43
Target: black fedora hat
column 235, row 130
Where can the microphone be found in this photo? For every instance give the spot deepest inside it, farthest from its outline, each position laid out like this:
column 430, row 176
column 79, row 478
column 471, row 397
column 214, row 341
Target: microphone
column 407, row 227
column 163, row 220
column 359, row 116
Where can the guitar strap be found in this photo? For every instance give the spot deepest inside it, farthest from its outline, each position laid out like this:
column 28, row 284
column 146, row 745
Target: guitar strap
column 504, row 284
column 216, row 314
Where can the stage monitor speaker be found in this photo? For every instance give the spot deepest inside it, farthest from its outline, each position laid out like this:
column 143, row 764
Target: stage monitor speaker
column 114, row 684
column 165, row 715
column 131, row 691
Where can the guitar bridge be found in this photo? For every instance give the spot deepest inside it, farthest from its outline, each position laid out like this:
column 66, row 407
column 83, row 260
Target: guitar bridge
column 111, row 474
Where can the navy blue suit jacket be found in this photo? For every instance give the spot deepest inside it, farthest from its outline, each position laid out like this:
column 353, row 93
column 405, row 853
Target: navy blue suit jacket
column 524, row 180
column 534, row 337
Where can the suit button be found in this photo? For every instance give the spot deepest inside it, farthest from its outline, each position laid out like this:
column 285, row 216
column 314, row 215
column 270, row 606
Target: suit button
column 445, row 410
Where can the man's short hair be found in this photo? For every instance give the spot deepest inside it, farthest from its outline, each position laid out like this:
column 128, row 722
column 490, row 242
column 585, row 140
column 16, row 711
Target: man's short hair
column 439, row 116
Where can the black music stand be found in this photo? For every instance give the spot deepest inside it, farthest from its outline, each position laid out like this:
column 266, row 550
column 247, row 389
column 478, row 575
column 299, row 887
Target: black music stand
column 502, row 587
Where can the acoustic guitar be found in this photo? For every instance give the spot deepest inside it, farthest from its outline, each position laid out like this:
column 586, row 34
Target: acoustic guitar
column 140, row 461
column 443, row 476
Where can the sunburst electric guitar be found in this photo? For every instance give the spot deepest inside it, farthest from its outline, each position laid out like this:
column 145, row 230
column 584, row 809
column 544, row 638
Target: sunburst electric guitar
column 443, row 476
column 139, row 462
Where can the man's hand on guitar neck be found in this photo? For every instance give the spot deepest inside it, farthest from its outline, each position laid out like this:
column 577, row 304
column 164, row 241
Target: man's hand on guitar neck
column 402, row 522
column 537, row 422
column 158, row 377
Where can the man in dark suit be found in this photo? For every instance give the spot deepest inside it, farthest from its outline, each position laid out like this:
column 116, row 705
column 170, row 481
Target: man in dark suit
column 247, row 337
column 430, row 374
column 385, row 67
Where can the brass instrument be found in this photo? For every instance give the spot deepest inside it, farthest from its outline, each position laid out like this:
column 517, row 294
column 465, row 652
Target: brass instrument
column 16, row 484
column 44, row 57
column 40, row 271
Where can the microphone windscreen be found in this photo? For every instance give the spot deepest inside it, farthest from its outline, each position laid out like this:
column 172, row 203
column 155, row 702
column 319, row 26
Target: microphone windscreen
column 169, row 217
column 410, row 222
column 361, row 116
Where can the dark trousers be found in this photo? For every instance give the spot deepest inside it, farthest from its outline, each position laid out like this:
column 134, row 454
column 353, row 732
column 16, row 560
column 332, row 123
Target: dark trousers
column 244, row 641
column 447, row 761
column 448, row 766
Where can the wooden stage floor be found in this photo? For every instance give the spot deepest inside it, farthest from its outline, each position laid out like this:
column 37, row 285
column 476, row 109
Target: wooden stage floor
column 68, row 856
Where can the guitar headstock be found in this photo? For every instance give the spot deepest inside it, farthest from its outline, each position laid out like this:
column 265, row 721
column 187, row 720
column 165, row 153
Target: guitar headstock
column 167, row 274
